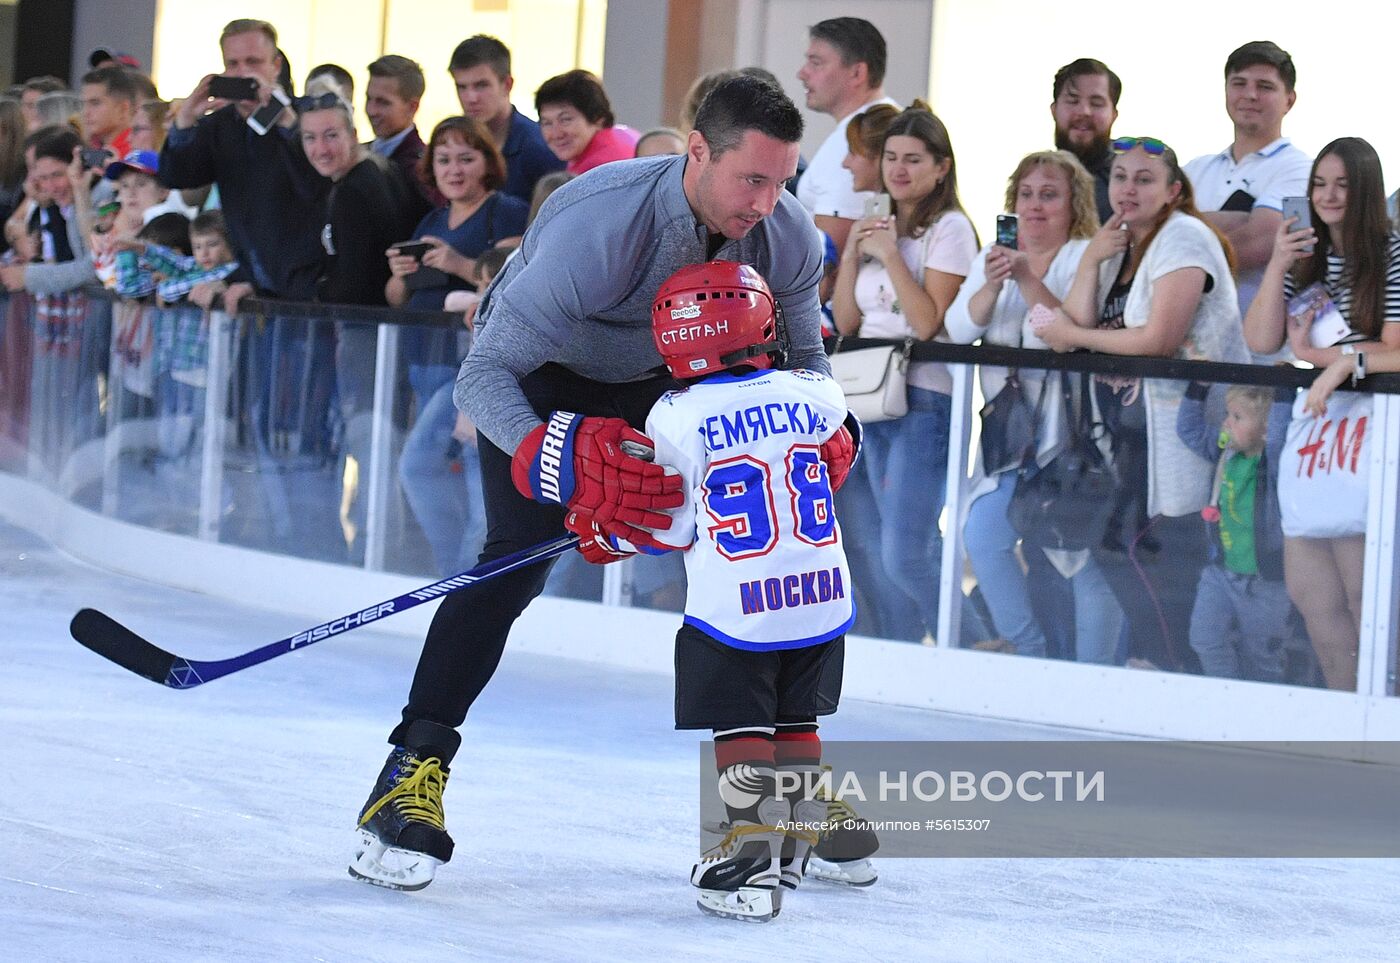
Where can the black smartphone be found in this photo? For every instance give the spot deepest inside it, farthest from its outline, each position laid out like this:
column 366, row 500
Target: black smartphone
column 233, row 88
column 426, row 277
column 1006, row 230
column 413, row 249
column 96, row 157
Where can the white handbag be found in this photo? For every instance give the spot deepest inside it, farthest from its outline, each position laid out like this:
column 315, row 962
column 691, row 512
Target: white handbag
column 874, row 380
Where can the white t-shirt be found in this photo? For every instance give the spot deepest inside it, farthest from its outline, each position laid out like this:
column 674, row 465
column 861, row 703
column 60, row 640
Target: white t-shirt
column 764, row 564
column 825, row 187
column 1268, row 176
column 949, row 245
column 1178, row 479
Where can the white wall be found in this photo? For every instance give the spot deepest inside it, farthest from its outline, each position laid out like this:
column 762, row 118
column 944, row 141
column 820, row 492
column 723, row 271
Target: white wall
column 120, row 25
column 777, row 33
column 634, row 70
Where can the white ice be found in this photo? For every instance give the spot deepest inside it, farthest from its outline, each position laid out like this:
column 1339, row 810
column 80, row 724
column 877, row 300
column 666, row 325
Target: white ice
column 142, row 823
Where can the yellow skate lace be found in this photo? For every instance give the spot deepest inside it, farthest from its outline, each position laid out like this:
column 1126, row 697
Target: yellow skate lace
column 731, row 841
column 837, row 810
column 418, row 795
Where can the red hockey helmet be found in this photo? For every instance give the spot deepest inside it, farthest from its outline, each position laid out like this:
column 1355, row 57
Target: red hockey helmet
column 713, row 316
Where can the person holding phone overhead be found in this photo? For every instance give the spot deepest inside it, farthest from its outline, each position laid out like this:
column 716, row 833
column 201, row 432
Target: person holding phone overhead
column 1355, row 263
column 898, row 275
column 273, row 200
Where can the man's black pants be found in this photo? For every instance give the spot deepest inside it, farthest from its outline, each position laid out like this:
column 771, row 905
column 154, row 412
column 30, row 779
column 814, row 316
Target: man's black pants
column 468, row 633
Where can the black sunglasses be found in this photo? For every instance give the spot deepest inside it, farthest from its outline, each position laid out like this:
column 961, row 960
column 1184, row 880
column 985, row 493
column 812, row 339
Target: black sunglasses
column 320, row 102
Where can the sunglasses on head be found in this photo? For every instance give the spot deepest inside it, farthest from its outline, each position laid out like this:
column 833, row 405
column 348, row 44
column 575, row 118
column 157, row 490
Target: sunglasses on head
column 1153, row 146
column 320, row 102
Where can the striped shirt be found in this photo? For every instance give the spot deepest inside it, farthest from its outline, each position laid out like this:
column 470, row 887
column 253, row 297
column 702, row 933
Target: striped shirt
column 1338, row 286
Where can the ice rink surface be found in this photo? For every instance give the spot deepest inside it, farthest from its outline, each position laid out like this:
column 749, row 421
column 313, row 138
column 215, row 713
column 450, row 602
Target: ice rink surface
column 146, row 824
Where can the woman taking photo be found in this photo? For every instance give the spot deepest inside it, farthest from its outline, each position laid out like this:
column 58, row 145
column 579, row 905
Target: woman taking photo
column 1052, row 196
column 898, row 275
column 444, row 492
column 1156, row 280
column 1351, row 252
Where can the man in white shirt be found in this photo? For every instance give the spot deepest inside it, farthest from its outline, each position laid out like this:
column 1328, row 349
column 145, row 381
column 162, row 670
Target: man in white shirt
column 1241, row 189
column 843, row 74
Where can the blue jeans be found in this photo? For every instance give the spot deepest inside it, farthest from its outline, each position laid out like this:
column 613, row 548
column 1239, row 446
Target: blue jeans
column 881, row 610
column 991, row 547
column 446, row 503
column 906, row 461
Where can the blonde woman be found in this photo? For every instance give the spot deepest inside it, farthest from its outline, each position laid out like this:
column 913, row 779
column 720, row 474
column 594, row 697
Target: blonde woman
column 1052, row 196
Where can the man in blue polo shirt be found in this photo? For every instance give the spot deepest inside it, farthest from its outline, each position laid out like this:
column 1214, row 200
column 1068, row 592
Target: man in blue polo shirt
column 480, row 68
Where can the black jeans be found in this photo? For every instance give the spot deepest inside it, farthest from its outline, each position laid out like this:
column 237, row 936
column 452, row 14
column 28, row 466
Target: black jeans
column 468, row 632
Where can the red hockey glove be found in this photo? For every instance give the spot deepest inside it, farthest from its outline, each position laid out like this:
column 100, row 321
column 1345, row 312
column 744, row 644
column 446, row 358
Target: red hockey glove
column 595, row 545
column 841, row 451
column 601, row 467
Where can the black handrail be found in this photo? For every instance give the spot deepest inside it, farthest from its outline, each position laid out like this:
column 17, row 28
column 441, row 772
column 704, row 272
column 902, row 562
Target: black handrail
column 1176, row 369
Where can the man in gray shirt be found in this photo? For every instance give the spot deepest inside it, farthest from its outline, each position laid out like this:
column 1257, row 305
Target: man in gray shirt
column 563, row 363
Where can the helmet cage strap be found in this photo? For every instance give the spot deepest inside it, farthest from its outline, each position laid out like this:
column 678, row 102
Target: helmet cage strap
column 753, row 351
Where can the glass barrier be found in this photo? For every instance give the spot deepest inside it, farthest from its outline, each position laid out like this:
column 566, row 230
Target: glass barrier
column 1145, row 520
column 1207, row 526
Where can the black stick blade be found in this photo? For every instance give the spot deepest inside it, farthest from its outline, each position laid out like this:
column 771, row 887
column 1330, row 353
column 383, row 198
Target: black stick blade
column 112, row 640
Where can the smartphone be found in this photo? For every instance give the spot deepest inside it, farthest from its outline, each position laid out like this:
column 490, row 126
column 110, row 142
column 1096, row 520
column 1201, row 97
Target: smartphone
column 1006, row 230
column 426, row 277
column 233, row 88
column 877, row 205
column 96, row 157
column 1298, row 207
column 265, row 117
column 413, row 249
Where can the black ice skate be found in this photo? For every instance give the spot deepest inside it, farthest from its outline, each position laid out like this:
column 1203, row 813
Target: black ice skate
column 842, row 854
column 738, row 879
column 401, row 839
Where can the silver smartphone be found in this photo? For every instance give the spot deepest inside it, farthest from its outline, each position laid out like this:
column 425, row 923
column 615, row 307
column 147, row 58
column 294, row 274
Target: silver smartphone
column 877, row 205
column 1300, row 208
column 264, row 118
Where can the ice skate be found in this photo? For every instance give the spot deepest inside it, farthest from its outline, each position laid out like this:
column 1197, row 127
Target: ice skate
column 738, row 879
column 797, row 847
column 401, row 839
column 842, row 854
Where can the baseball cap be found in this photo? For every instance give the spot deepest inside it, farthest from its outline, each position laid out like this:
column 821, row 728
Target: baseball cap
column 142, row 161
column 102, row 54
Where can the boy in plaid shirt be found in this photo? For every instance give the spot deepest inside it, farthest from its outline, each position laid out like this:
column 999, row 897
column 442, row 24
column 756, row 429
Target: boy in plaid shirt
column 144, row 268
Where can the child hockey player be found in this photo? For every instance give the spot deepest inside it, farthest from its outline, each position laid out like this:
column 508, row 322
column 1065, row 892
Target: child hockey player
column 769, row 598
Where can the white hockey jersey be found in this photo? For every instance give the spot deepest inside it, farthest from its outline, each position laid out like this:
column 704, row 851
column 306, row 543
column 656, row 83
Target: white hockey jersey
column 765, row 563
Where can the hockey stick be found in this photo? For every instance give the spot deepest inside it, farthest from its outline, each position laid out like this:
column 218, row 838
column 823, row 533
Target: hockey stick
column 112, row 640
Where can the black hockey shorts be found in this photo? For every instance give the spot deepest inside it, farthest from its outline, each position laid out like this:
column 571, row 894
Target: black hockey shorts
column 721, row 687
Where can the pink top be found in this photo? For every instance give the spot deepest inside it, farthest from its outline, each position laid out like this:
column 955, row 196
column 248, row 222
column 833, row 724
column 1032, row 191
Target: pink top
column 618, row 142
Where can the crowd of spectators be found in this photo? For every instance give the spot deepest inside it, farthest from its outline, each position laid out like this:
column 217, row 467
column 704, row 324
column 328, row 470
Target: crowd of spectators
column 241, row 188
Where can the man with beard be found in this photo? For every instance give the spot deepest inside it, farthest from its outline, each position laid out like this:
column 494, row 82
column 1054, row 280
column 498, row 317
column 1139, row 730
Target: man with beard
column 1084, row 108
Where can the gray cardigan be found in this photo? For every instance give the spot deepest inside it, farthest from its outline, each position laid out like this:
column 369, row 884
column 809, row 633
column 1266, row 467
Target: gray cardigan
column 67, row 275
